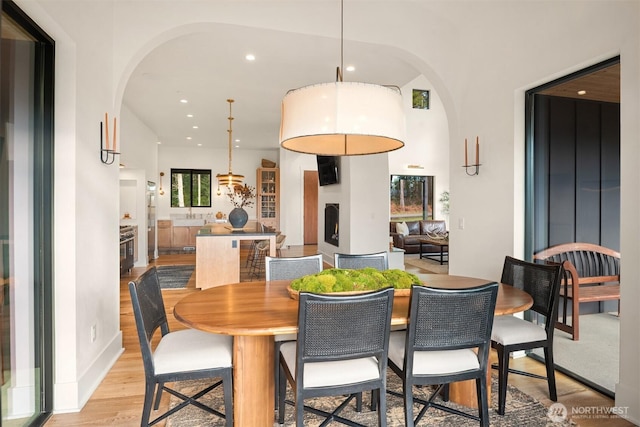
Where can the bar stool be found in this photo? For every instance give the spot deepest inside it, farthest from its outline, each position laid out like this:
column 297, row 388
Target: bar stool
column 252, row 249
column 257, row 264
column 279, row 243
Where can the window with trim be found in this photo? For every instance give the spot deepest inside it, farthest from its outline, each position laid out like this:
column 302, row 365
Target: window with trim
column 411, row 197
column 190, row 188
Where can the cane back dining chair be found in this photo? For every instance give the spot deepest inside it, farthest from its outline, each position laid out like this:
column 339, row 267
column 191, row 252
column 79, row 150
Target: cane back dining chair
column 448, row 339
column 288, row 268
column 179, row 356
column 379, row 260
column 542, row 282
column 341, row 349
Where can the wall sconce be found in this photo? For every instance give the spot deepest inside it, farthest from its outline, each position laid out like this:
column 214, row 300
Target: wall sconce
column 466, row 159
column 161, row 191
column 107, row 152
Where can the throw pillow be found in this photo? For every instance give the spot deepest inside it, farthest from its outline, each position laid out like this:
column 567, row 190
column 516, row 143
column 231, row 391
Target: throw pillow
column 402, row 228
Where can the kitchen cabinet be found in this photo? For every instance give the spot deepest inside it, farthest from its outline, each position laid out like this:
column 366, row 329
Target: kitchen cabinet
column 184, row 236
column 180, row 237
column 164, row 234
column 268, row 197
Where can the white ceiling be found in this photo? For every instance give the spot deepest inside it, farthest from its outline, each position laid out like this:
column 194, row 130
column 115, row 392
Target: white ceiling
column 209, row 67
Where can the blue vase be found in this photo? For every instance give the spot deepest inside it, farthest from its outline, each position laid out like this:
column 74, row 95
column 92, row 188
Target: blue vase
column 238, row 217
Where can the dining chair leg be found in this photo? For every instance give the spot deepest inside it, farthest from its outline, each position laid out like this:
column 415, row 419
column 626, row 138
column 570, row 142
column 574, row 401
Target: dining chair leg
column 158, row 393
column 282, row 391
column 381, row 399
column 483, row 401
column 503, row 373
column 551, row 374
column 408, row 404
column 150, row 388
column 227, row 386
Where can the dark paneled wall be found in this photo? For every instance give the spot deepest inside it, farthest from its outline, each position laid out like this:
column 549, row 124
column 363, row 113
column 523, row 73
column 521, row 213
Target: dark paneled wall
column 576, row 166
column 577, row 172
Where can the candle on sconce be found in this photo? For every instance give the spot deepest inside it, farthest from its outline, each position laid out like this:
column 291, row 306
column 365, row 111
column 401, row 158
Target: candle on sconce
column 114, row 134
column 477, row 151
column 106, row 127
column 466, row 159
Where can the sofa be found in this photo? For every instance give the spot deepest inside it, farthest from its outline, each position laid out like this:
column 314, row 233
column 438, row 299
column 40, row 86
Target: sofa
column 417, row 230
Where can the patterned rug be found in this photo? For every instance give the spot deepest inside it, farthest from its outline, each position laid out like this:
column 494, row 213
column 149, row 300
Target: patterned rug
column 430, row 266
column 521, row 410
column 174, row 276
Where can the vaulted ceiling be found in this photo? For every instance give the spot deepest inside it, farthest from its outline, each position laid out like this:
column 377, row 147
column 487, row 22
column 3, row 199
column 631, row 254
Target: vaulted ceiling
column 205, row 69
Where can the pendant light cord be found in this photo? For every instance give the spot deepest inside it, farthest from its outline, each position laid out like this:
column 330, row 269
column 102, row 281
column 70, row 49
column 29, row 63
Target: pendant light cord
column 340, row 68
column 230, row 101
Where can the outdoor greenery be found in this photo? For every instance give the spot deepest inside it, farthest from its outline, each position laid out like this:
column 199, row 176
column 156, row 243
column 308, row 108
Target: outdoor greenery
column 411, row 197
column 365, row 279
column 190, row 188
column 444, row 202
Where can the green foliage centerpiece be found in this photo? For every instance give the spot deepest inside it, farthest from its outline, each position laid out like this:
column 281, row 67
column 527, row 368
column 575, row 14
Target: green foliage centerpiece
column 342, row 280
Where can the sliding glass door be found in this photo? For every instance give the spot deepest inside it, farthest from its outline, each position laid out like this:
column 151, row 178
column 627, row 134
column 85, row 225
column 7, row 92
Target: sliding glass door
column 26, row 166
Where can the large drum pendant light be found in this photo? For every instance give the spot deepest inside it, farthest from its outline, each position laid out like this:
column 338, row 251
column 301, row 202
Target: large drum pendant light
column 229, row 179
column 342, row 118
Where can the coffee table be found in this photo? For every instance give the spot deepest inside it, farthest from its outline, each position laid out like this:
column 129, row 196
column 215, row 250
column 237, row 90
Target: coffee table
column 444, row 249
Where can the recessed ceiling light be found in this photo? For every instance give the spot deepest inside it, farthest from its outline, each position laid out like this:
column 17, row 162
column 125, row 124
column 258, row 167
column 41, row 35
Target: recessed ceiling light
column 199, row 145
column 189, row 115
column 237, row 146
column 350, row 68
column 189, row 137
column 195, row 126
column 582, row 92
column 159, row 142
column 250, row 57
column 184, row 101
column 237, row 140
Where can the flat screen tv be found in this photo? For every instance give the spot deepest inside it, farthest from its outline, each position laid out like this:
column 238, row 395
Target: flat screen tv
column 328, row 170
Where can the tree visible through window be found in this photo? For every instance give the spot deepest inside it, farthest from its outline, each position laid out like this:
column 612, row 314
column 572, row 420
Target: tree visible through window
column 190, row 188
column 411, row 197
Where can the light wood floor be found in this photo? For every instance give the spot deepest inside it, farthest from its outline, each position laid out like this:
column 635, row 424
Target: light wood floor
column 118, row 399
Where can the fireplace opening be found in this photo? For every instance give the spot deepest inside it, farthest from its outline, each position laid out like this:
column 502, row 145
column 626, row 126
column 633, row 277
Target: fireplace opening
column 331, row 219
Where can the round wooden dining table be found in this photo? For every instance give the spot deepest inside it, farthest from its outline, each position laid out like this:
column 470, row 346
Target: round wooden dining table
column 254, row 312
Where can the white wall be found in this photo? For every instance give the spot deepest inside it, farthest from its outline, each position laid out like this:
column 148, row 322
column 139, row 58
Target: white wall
column 245, row 162
column 428, row 144
column 363, row 198
column 292, row 194
column 480, row 58
column 139, row 164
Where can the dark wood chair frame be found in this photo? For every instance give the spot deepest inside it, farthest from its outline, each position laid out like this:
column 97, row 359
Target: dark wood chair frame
column 368, row 336
column 379, row 260
column 149, row 312
column 463, row 329
column 545, row 303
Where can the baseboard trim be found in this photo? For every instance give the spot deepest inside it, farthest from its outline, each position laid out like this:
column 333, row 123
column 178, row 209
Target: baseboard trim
column 71, row 397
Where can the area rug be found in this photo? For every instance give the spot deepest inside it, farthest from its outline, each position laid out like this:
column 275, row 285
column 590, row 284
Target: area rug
column 174, row 276
column 430, row 266
column 596, row 355
column 521, row 410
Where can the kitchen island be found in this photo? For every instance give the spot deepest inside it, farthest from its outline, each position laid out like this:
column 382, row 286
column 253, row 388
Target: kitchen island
column 218, row 254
